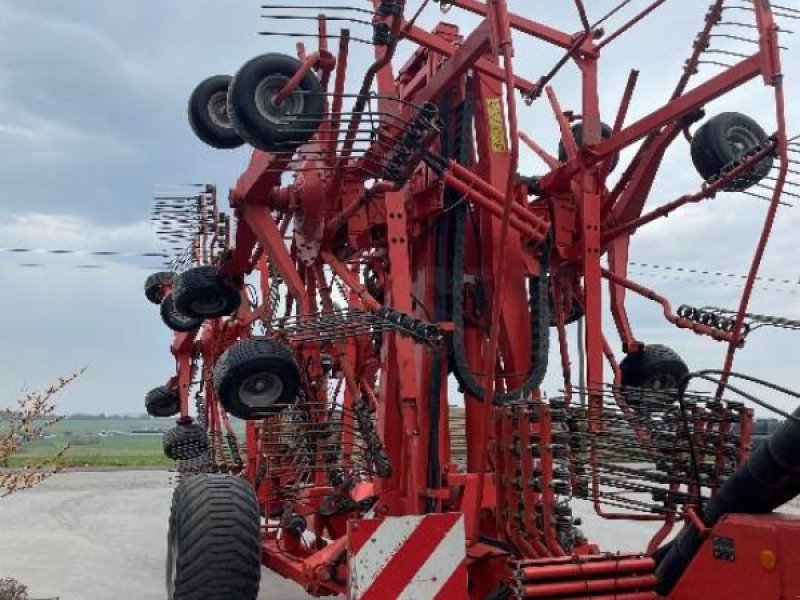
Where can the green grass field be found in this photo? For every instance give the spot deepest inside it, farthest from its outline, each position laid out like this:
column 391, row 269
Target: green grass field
column 88, row 448
column 101, row 442
column 85, row 451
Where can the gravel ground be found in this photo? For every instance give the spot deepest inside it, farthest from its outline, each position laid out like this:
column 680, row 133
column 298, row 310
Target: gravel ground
column 97, row 535
column 101, row 535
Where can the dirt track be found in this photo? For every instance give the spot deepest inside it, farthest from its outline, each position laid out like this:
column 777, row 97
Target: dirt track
column 102, row 535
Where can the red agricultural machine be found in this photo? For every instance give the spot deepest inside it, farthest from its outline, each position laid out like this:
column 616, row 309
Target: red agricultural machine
column 385, row 247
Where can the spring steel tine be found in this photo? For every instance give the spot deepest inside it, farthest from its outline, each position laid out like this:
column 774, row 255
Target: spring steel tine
column 737, row 24
column 651, row 475
column 377, row 96
column 176, row 197
column 783, row 12
column 373, row 173
column 303, row 6
column 783, row 192
column 315, row 18
column 738, row 38
column 628, row 485
column 676, row 446
column 752, row 26
column 765, row 198
column 726, row 53
column 636, row 504
column 314, row 35
column 787, row 9
column 609, row 14
column 783, row 15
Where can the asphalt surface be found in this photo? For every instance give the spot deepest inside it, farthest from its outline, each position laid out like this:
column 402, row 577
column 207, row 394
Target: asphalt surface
column 102, row 535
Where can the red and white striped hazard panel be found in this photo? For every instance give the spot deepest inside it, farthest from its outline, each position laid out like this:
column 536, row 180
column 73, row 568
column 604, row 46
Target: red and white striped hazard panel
column 408, row 558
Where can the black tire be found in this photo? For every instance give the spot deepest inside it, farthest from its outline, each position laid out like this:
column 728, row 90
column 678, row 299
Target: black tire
column 154, row 286
column 656, row 368
column 185, row 441
column 162, row 402
column 203, row 293
column 214, row 540
column 722, row 140
column 260, row 122
column 176, row 320
column 577, row 133
column 208, row 114
column 256, row 377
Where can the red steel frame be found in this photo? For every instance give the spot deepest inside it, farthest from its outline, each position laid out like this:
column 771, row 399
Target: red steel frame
column 573, row 205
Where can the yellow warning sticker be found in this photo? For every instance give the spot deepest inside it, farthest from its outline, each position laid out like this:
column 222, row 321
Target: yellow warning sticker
column 497, row 126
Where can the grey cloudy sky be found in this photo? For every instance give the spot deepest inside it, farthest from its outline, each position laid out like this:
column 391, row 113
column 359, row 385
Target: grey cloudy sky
column 92, row 115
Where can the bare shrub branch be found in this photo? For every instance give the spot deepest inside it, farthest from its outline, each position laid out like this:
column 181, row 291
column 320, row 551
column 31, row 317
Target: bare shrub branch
column 11, row 589
column 33, row 415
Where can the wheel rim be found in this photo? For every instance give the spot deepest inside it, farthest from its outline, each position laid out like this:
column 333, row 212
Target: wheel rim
column 208, row 306
column 218, row 110
column 742, row 140
column 660, row 383
column 183, row 320
column 279, row 114
column 261, row 390
column 179, row 319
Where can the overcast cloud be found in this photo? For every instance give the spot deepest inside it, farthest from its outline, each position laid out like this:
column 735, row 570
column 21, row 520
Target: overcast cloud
column 92, row 115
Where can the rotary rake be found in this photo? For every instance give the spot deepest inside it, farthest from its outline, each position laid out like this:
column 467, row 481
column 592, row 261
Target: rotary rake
column 385, row 241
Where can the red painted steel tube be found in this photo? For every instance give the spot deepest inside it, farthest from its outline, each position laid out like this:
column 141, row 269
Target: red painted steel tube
column 696, row 521
column 707, row 192
column 769, row 221
column 349, row 279
column 262, row 175
column 326, row 63
column 383, row 58
column 662, row 533
column 441, row 82
column 683, row 323
column 625, row 103
column 548, row 495
column 537, row 30
column 567, row 139
column 692, row 100
column 338, row 220
column 490, row 205
column 579, row 569
column 502, row 32
column 338, row 91
column 614, row 596
column 589, row 587
column 437, row 44
column 633, row 21
column 548, row 159
column 184, row 369
column 266, row 230
column 563, row 346
column 541, row 226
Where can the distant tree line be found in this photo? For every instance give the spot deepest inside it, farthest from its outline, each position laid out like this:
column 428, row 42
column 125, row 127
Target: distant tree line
column 103, row 417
